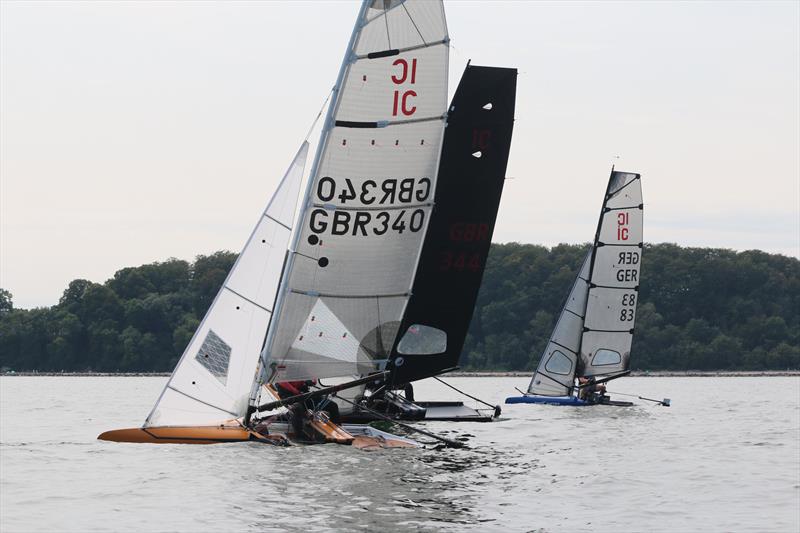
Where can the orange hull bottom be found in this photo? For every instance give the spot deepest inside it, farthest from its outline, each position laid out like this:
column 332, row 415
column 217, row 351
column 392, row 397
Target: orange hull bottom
column 329, row 432
column 185, row 435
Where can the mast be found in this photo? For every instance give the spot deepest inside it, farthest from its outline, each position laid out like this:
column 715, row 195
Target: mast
column 321, row 147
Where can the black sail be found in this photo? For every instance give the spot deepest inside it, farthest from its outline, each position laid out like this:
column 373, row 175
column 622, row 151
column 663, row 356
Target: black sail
column 470, row 182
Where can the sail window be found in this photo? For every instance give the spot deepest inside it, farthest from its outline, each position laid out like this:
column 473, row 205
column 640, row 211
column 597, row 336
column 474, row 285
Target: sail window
column 558, row 364
column 215, row 355
column 606, row 357
column 422, row 340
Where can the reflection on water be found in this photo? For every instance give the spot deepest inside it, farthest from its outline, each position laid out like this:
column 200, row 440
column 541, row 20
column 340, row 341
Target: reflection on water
column 703, row 464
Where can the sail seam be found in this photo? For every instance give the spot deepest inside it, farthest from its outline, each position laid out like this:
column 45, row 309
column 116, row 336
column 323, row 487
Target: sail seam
column 330, row 207
column 330, row 295
column 201, row 401
column 586, row 330
column 398, row 51
column 574, row 313
column 275, row 220
column 245, row 298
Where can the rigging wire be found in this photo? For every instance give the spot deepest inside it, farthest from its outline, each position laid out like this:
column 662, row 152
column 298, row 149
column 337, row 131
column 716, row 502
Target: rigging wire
column 495, row 407
column 321, row 109
column 665, row 402
column 450, row 443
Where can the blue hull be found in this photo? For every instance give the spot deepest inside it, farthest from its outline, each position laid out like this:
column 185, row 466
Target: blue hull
column 549, row 400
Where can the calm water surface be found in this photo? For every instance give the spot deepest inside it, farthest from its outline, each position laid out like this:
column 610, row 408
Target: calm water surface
column 724, row 457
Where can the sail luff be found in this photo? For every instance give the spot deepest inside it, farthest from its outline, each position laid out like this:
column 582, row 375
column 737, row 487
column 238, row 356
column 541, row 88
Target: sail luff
column 306, row 200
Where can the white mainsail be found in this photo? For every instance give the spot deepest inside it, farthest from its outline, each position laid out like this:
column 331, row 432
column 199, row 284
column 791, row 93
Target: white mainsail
column 594, row 332
column 614, row 279
column 369, row 197
column 214, row 377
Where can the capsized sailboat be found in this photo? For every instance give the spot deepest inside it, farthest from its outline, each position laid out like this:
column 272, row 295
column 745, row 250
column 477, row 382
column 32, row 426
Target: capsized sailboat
column 591, row 342
column 467, row 197
column 325, row 299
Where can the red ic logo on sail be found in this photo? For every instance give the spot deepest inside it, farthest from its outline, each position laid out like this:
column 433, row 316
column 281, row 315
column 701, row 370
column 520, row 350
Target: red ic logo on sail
column 402, row 99
column 622, row 226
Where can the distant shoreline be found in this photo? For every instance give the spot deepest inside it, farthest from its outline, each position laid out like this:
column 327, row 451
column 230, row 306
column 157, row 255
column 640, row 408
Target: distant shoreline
column 462, row 374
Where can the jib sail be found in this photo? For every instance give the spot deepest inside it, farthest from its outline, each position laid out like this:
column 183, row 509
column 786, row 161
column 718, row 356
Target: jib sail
column 214, row 376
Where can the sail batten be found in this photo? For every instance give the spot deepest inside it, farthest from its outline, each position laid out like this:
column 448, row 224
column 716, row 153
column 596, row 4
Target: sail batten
column 398, row 51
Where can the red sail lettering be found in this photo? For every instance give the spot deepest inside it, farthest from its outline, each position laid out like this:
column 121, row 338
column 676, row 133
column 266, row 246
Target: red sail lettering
column 404, row 64
column 406, row 110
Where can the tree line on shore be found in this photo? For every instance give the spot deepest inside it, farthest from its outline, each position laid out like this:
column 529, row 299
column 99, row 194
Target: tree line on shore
column 699, row 309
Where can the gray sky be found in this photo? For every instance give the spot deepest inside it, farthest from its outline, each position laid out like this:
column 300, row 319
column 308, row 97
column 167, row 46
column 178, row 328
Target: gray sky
column 134, row 132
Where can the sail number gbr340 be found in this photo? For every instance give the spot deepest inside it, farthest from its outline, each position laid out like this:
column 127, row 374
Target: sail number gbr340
column 392, row 194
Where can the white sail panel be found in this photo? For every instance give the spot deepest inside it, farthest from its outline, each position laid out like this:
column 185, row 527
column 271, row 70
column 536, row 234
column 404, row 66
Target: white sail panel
column 556, row 371
column 617, row 266
column 325, row 335
column 611, row 309
column 258, row 268
column 619, row 230
column 606, row 352
column 399, row 87
column 625, row 191
column 370, row 195
column 363, row 319
column 395, row 25
column 613, row 294
column 215, row 374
